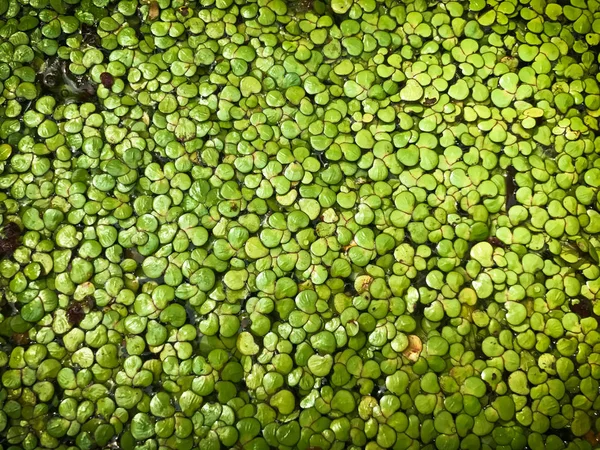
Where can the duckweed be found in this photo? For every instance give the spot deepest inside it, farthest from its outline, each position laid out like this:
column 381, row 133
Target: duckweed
column 301, row 224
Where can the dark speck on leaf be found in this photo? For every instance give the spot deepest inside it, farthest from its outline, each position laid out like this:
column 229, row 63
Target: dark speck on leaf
column 107, row 80
column 75, row 313
column 496, row 242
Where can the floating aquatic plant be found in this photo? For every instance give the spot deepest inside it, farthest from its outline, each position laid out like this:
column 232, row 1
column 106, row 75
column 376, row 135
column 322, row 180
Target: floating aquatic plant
column 299, row 225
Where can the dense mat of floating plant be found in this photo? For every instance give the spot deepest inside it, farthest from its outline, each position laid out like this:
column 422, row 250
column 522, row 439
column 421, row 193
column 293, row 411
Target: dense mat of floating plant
column 354, row 225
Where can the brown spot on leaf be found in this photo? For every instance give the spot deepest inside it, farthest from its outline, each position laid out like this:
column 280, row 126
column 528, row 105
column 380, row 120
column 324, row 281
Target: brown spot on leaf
column 414, row 349
column 20, row 338
column 496, row 242
column 349, row 246
column 75, row 313
column 154, row 11
column 592, row 438
column 366, row 282
column 107, row 80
